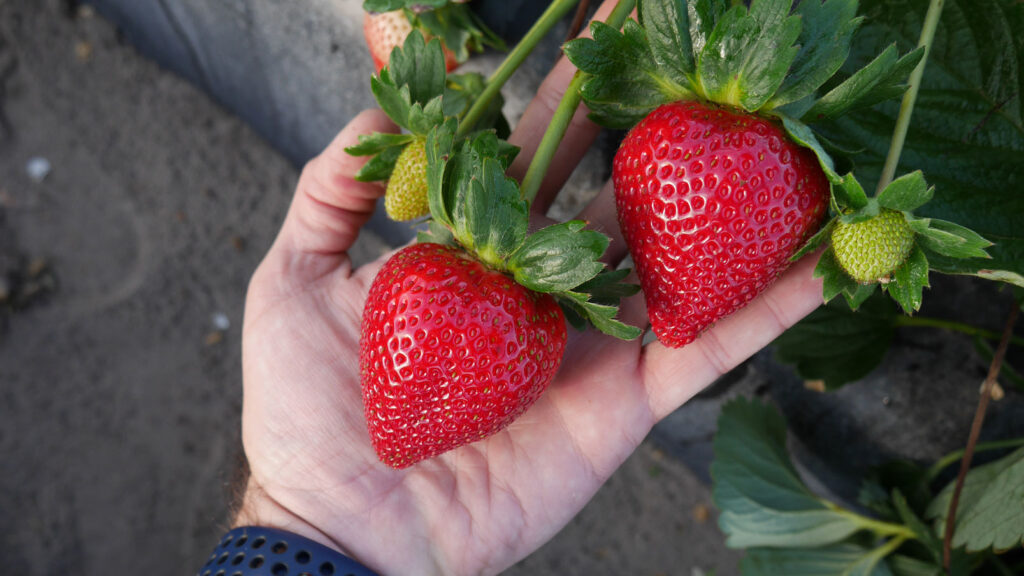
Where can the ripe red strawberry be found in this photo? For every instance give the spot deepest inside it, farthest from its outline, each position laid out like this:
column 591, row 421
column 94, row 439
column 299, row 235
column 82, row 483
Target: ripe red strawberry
column 451, row 352
column 722, row 180
column 712, row 203
column 386, row 30
column 463, row 332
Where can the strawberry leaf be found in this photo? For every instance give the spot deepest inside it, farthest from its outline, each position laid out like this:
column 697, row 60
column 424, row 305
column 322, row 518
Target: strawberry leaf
column 824, row 45
column 849, row 193
column 759, row 492
column 747, row 55
column 836, row 281
column 881, row 80
column 837, row 345
column 435, row 233
column 855, row 297
column 494, row 214
column 803, row 135
column 815, row 241
column 906, row 193
column 423, row 118
column 559, row 258
column 834, row 560
column 458, row 27
column 380, row 166
column 990, row 513
column 909, row 281
column 953, row 240
column 624, row 82
column 601, row 316
column 607, row 287
column 864, row 213
column 377, row 142
column 463, row 90
column 668, row 37
column 703, row 17
column 438, row 148
column 419, row 65
column 394, row 101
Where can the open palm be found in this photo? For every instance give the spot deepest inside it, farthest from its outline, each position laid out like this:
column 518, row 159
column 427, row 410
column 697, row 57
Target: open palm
column 480, row 508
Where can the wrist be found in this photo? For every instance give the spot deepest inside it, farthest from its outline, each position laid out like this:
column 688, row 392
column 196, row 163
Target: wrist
column 258, row 508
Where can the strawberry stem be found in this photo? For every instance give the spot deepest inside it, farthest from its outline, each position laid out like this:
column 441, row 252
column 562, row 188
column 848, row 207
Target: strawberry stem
column 970, row 330
column 554, row 13
column 563, row 115
column 899, row 136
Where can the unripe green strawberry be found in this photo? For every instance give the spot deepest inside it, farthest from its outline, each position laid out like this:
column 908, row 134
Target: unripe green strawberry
column 406, row 194
column 871, row 250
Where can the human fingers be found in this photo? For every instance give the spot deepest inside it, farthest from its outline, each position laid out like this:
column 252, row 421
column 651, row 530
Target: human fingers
column 578, row 138
column 673, row 376
column 330, row 205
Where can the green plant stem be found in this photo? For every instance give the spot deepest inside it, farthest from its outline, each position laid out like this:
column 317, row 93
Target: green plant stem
column 879, row 527
column 554, row 13
column 890, row 547
column 953, row 457
column 563, row 116
column 931, row 22
column 970, row 330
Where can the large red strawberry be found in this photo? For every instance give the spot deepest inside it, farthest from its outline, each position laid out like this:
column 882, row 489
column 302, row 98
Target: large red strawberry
column 712, row 203
column 721, row 181
column 451, row 352
column 459, row 339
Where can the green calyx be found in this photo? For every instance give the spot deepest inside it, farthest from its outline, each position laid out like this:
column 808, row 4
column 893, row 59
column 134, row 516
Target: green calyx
column 879, row 242
column 417, row 93
column 770, row 57
column 453, row 23
column 474, row 205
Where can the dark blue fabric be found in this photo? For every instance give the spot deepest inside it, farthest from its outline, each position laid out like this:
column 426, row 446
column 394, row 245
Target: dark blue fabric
column 256, row 551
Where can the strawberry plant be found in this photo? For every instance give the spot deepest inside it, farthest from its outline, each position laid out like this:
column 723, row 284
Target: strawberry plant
column 752, row 127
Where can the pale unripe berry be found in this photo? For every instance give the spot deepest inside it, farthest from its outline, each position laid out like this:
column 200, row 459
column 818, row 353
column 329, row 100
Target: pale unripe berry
column 871, row 250
column 406, row 195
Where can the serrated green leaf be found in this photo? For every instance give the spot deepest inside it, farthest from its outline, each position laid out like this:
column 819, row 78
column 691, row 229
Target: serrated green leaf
column 419, row 65
column 623, row 80
column 668, row 37
column 837, row 345
column 824, row 45
column 803, row 136
column 601, row 316
column 909, row 281
column 883, row 79
column 906, row 193
column 423, row 118
column 849, row 193
column 462, row 90
column 703, row 18
column 909, row 478
column 381, row 165
column 953, row 240
column 762, row 500
column 748, row 53
column 835, row 560
column 907, row 566
column 558, row 258
column 866, row 212
column 916, row 525
column 607, row 287
column 855, row 296
column 991, row 508
column 967, row 130
column 496, row 215
column 376, row 142
column 394, row 101
column 836, row 281
column 816, row 241
column 439, row 148
column 458, row 28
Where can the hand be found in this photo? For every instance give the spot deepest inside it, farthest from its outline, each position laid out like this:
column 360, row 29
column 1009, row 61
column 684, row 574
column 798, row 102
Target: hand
column 480, row 508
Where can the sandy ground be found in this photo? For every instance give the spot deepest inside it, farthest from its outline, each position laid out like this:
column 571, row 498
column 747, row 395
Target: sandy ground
column 122, row 278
